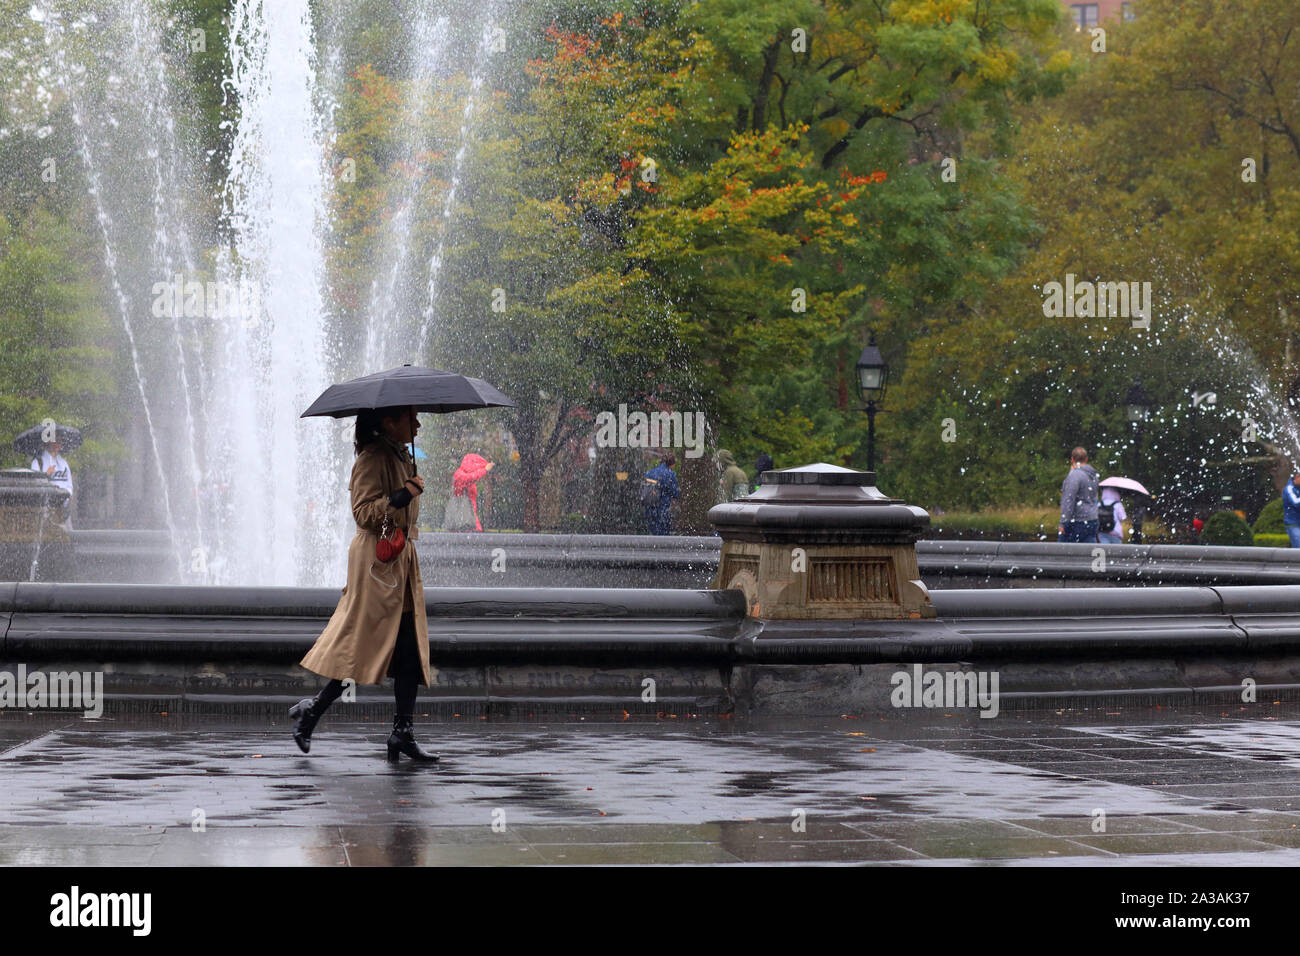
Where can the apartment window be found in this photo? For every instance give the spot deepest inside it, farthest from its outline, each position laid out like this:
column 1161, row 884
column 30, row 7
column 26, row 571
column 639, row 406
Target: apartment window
column 1128, row 12
column 1085, row 15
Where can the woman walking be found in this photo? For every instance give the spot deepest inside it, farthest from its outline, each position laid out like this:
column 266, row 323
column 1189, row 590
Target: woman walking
column 379, row 627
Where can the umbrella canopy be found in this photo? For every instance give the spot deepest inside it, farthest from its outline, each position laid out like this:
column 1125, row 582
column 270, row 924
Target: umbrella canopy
column 428, row 389
column 1128, row 484
column 472, row 468
column 32, row 441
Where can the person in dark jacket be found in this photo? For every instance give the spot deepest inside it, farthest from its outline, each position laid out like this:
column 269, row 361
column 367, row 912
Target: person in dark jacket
column 1291, row 510
column 1079, row 500
column 764, row 463
column 658, row 517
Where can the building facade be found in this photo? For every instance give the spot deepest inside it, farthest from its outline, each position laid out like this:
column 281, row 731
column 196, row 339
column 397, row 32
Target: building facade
column 1099, row 11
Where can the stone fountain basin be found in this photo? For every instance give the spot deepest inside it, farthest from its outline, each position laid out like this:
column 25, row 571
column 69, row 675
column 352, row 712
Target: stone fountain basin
column 519, row 651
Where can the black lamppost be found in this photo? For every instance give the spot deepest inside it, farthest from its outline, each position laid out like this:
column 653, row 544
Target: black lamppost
column 872, row 375
column 1138, row 405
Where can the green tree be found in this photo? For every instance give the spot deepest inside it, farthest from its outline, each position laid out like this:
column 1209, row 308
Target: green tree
column 1128, row 192
column 56, row 347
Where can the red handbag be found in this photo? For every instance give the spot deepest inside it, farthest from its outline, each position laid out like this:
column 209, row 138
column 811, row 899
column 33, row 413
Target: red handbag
column 386, row 549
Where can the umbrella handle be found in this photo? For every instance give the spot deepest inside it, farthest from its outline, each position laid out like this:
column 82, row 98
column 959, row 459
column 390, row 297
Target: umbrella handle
column 415, row 469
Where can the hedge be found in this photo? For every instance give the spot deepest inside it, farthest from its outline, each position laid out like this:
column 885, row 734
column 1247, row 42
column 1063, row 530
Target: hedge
column 1227, row 528
column 1030, row 524
column 1270, row 519
column 998, row 523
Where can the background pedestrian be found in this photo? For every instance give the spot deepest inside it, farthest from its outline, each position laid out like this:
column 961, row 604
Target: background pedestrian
column 660, row 480
column 1079, row 500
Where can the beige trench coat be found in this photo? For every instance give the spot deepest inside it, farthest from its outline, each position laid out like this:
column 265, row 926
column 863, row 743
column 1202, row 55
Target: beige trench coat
column 359, row 640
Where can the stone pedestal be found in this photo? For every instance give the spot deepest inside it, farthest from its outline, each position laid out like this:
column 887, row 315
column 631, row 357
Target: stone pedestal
column 31, row 537
column 822, row 543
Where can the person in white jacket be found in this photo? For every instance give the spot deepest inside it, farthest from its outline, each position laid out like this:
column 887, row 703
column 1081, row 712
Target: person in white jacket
column 50, row 460
column 1109, row 496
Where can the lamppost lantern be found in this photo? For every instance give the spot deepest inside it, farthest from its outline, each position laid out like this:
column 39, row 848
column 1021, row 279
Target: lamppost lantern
column 1138, row 403
column 873, row 373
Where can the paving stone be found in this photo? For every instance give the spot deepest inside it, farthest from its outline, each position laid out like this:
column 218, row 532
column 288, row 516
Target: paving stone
column 997, row 848
column 1286, row 838
column 1083, row 825
column 97, row 855
column 70, row 835
column 1237, row 820
column 405, row 835
column 1168, row 842
column 226, row 855
column 894, row 792
column 624, row 832
column 184, row 838
column 1282, row 804
column 835, row 851
column 442, row 854
column 1255, row 789
column 1263, row 857
column 905, row 831
column 587, row 854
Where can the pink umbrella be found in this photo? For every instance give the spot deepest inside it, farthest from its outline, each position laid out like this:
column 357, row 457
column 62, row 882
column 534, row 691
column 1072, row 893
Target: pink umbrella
column 1128, row 484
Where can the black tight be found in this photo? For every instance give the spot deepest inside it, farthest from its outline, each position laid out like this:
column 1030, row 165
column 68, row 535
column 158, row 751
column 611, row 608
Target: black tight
column 405, row 667
column 405, row 670
column 329, row 693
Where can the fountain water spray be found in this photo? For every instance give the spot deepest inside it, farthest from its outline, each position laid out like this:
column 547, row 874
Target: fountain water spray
column 481, row 58
column 248, row 492
column 143, row 35
column 388, row 343
column 276, row 466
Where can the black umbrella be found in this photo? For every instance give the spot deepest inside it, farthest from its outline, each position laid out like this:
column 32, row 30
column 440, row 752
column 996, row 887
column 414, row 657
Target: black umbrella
column 428, row 389
column 32, row 441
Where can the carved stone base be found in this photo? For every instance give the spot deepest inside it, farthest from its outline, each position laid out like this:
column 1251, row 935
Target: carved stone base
column 821, row 543
column 825, row 583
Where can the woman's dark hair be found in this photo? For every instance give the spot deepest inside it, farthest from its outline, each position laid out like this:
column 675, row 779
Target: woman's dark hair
column 370, row 425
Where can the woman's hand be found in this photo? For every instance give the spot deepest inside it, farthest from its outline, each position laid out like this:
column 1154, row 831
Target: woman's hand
column 415, row 485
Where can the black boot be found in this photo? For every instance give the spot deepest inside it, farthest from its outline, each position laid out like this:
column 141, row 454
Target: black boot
column 402, row 741
column 307, row 712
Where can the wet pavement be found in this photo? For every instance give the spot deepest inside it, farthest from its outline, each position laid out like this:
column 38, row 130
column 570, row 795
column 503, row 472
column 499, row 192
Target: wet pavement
column 1070, row 788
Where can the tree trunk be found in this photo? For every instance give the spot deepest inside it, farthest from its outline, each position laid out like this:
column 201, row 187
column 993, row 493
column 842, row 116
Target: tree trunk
column 530, row 476
column 1286, row 335
column 765, row 87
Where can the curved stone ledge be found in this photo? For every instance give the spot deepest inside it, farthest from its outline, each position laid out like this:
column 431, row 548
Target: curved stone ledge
column 569, row 603
column 602, row 626
column 521, row 652
column 674, row 561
